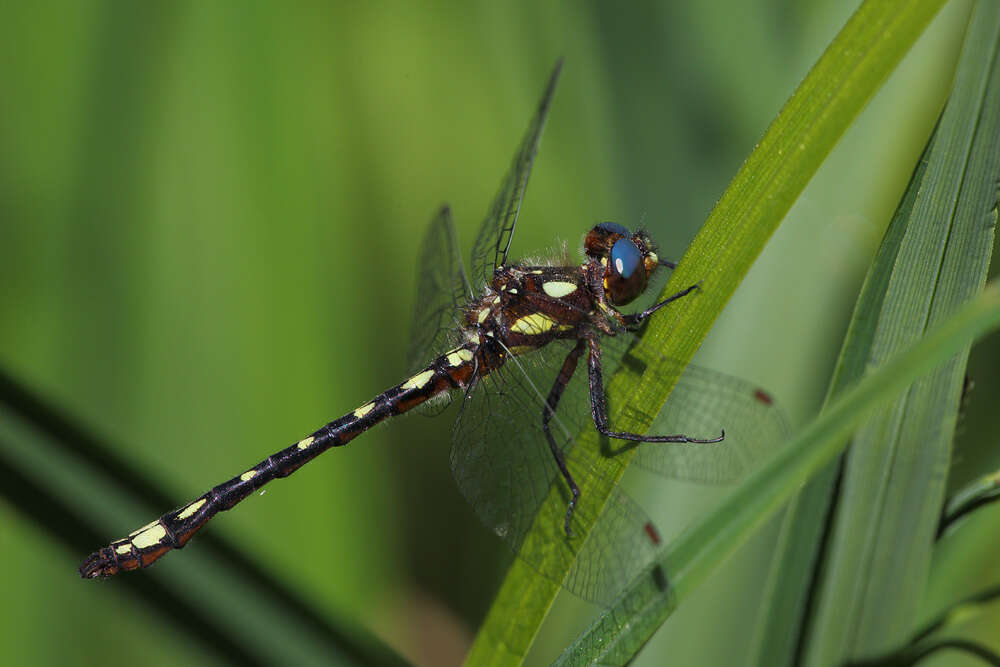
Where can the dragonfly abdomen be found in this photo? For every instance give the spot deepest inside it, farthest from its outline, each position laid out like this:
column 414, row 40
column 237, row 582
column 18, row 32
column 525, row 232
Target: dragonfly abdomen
column 144, row 546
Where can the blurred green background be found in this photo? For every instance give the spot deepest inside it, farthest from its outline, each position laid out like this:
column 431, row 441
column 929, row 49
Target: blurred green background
column 209, row 216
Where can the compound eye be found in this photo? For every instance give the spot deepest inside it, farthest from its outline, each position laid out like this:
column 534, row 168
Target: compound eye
column 625, row 258
column 626, row 276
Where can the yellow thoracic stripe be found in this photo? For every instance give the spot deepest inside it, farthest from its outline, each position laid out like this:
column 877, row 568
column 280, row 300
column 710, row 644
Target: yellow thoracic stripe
column 533, row 324
column 558, row 289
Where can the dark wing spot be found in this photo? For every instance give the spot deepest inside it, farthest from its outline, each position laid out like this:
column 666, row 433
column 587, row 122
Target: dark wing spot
column 653, row 534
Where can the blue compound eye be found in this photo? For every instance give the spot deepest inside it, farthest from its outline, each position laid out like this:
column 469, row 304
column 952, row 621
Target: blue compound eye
column 614, row 228
column 625, row 258
column 625, row 277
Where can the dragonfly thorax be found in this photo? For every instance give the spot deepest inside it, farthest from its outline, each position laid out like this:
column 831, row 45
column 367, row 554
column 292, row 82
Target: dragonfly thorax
column 526, row 307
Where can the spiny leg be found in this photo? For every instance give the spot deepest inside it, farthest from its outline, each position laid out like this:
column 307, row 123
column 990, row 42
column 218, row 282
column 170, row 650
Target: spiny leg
column 636, row 319
column 599, row 406
column 562, row 380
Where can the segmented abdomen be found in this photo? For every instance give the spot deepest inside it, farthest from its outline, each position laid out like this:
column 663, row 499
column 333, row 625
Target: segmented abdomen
column 144, row 546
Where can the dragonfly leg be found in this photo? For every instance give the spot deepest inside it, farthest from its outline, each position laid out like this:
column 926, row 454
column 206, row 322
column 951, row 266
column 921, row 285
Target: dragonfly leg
column 565, row 375
column 636, row 319
column 599, row 405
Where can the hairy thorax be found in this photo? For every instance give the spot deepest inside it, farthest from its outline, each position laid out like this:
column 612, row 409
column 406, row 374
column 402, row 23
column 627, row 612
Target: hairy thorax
column 525, row 307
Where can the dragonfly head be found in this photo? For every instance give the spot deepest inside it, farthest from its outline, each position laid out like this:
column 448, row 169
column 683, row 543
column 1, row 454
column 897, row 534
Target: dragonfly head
column 629, row 260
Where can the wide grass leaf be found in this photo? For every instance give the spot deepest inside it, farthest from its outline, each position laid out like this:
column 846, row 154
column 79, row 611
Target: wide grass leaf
column 839, row 85
column 875, row 568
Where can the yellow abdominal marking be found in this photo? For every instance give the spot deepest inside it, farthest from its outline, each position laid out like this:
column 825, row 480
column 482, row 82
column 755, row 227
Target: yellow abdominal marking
column 533, row 324
column 418, row 380
column 123, row 548
column 364, row 409
column 496, row 300
column 304, row 444
column 459, row 356
column 558, row 289
column 248, row 475
column 150, row 536
column 191, row 509
column 144, row 528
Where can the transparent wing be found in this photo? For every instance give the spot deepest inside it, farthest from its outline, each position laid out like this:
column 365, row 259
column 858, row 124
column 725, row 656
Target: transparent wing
column 703, row 403
column 442, row 289
column 503, row 465
column 623, row 543
column 499, row 455
column 497, row 230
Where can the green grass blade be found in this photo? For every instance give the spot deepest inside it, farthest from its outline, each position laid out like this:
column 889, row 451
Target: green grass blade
column 793, row 569
column 893, row 486
column 965, row 560
column 972, row 497
column 839, row 85
column 805, row 518
column 690, row 559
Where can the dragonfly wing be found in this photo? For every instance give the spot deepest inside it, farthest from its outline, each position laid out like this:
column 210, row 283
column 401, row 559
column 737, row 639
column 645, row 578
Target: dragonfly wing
column 623, row 542
column 442, row 289
column 703, row 404
column 497, row 230
column 504, row 467
column 499, row 456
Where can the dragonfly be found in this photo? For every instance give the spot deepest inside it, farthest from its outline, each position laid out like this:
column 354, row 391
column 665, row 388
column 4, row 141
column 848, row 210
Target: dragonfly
column 512, row 348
